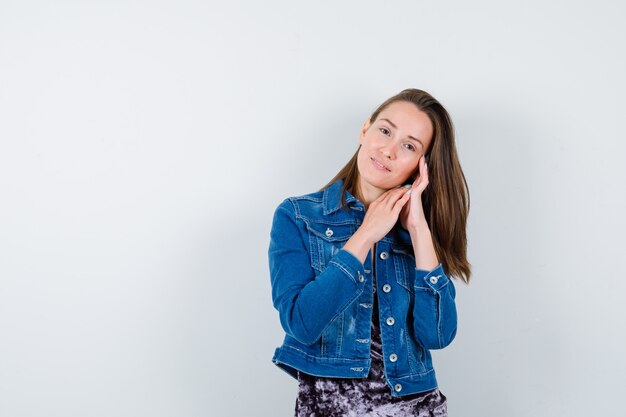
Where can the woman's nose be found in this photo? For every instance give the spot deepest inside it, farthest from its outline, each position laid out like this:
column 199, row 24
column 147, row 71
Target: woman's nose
column 387, row 151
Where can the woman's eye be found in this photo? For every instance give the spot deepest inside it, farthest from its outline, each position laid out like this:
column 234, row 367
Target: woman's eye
column 384, row 130
column 410, row 147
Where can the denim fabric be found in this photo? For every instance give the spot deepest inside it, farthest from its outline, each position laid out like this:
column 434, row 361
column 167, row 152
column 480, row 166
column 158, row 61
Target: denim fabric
column 324, row 296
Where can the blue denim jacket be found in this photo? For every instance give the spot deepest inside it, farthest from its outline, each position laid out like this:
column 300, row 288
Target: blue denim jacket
column 324, row 296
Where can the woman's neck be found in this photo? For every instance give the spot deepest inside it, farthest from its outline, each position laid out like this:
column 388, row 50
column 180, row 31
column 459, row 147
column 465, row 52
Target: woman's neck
column 366, row 194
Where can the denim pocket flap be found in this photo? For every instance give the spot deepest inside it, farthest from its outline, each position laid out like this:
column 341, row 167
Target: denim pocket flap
column 402, row 250
column 331, row 232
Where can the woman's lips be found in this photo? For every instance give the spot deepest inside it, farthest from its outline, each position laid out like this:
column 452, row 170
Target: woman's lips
column 378, row 165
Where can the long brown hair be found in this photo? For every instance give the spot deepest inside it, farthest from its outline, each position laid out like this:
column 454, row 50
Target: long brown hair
column 446, row 199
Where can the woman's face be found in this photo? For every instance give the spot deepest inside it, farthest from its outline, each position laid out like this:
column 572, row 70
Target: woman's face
column 397, row 139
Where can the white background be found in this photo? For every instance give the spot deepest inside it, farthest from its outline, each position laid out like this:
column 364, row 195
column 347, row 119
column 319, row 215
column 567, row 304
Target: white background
column 144, row 146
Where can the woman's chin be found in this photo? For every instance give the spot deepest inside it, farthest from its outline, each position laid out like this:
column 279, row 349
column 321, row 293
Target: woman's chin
column 382, row 185
column 379, row 179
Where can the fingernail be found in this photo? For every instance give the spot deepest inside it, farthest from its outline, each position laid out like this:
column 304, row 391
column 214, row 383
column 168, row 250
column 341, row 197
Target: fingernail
column 409, row 192
column 425, row 165
column 407, row 186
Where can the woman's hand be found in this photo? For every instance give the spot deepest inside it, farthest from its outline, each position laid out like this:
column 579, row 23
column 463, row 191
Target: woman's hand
column 382, row 214
column 412, row 214
column 380, row 217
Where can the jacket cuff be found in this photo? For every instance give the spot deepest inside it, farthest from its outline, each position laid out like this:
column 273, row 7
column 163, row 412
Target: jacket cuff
column 349, row 265
column 435, row 279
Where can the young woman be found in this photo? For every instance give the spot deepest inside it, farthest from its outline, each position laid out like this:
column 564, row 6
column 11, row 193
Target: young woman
column 361, row 269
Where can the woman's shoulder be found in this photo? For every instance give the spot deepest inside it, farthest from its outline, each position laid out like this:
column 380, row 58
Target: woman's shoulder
column 302, row 201
column 311, row 205
column 314, row 197
column 321, row 204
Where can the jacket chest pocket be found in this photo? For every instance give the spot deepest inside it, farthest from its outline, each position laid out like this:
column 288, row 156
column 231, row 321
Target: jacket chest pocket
column 404, row 265
column 326, row 239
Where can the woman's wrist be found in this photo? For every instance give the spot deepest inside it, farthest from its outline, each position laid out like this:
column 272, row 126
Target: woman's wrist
column 422, row 225
column 423, row 247
column 359, row 245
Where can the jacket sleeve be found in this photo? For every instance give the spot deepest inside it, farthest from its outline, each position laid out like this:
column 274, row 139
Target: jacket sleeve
column 434, row 312
column 306, row 303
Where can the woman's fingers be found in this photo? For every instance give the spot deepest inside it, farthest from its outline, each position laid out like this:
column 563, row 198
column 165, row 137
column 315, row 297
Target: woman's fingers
column 387, row 196
column 383, row 212
column 390, row 198
column 402, row 200
column 381, row 198
column 395, row 195
column 423, row 176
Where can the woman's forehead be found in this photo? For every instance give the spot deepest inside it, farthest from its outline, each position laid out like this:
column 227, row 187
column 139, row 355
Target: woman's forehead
column 406, row 116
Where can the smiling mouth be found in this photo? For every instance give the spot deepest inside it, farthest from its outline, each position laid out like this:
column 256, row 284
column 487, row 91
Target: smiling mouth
column 379, row 164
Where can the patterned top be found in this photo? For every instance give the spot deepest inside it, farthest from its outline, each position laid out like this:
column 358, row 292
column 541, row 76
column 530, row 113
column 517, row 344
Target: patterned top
column 364, row 397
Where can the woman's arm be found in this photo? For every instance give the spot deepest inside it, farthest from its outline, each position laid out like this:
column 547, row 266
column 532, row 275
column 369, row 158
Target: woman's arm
column 306, row 303
column 434, row 311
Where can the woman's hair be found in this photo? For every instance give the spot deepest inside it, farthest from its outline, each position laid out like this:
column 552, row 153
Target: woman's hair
column 446, row 198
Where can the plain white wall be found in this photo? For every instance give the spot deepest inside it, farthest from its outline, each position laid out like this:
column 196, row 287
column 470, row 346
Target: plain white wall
column 145, row 145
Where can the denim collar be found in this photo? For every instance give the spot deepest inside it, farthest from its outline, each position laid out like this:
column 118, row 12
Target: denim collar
column 332, row 198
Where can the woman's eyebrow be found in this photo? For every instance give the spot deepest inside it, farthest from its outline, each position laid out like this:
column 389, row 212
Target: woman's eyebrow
column 395, row 127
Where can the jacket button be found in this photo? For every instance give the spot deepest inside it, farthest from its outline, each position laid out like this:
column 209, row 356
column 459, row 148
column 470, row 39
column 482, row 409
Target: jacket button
column 434, row 279
column 329, row 232
column 361, row 278
column 390, row 321
column 398, row 387
column 386, row 288
column 384, row 255
column 393, row 357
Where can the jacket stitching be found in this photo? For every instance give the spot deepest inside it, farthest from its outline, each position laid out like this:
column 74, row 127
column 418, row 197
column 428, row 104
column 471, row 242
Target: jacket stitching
column 340, row 266
column 318, row 252
column 317, row 359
